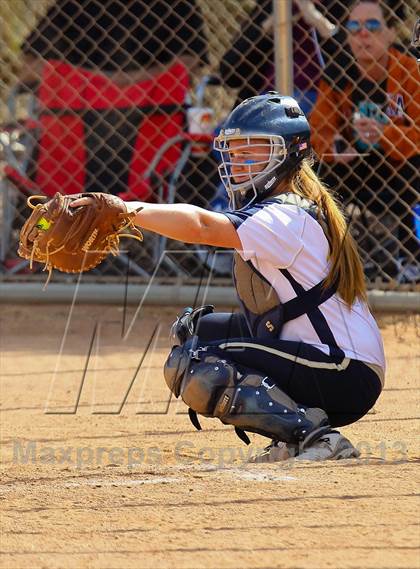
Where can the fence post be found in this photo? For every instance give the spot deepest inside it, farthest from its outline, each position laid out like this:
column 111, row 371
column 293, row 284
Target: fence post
column 283, row 58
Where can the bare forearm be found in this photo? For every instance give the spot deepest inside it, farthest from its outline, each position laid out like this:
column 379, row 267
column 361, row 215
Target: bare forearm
column 182, row 222
column 313, row 17
column 187, row 223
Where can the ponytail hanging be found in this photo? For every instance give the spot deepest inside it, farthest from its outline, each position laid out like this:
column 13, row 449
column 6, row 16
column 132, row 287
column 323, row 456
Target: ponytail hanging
column 345, row 265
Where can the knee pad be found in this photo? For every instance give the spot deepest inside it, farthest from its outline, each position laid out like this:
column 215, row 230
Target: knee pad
column 214, row 386
column 198, row 375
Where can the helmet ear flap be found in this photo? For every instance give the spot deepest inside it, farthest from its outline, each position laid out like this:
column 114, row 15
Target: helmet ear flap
column 294, row 146
column 299, row 145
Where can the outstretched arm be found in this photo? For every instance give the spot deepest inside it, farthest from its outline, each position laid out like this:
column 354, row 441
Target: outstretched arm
column 183, row 222
column 187, row 223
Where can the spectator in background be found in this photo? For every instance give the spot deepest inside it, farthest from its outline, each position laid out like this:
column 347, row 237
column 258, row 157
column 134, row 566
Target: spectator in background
column 249, row 64
column 320, row 47
column 366, row 132
column 338, row 58
column 119, row 70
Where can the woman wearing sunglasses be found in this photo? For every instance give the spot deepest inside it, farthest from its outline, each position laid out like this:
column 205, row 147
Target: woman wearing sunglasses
column 367, row 136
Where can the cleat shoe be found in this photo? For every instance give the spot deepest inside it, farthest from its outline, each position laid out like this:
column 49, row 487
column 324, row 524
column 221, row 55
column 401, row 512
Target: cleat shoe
column 275, row 452
column 332, row 446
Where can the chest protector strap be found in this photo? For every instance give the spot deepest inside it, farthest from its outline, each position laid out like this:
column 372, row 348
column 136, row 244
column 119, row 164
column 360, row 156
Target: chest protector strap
column 264, row 311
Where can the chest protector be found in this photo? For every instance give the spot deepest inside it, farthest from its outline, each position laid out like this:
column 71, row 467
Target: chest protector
column 265, row 313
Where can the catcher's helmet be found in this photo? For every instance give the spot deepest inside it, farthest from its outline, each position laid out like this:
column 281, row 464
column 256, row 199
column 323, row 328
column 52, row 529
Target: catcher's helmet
column 276, row 119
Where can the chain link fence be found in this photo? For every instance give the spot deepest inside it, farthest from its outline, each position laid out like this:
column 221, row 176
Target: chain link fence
column 124, row 97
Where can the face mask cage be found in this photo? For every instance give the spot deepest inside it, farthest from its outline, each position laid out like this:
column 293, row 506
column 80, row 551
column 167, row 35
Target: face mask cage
column 245, row 174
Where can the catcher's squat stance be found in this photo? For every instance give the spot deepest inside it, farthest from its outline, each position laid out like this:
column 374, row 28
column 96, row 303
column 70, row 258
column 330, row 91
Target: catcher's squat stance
column 304, row 355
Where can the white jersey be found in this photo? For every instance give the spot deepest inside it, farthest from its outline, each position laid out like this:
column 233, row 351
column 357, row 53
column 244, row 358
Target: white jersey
column 283, row 236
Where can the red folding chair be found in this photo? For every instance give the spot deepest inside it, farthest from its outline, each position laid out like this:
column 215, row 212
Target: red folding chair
column 83, row 133
column 94, row 136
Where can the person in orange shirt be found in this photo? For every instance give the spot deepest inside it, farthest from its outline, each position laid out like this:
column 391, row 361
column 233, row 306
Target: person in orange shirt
column 366, row 132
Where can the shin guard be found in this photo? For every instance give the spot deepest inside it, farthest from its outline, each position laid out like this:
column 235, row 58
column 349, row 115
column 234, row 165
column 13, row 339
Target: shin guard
column 214, row 386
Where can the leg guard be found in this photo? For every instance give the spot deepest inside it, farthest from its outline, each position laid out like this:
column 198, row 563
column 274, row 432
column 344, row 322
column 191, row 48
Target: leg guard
column 216, row 387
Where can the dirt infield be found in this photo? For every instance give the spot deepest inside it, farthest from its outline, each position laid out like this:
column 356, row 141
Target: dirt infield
column 100, row 469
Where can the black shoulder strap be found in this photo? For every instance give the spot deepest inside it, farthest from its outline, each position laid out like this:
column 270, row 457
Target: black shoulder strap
column 306, row 299
column 311, row 300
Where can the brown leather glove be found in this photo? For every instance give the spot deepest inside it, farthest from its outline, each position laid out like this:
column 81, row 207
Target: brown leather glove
column 75, row 239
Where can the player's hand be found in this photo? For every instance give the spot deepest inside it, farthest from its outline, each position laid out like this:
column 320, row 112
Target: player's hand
column 368, row 130
column 82, row 201
column 86, row 200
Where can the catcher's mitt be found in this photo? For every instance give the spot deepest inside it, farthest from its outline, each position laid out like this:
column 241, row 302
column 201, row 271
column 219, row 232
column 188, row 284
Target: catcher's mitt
column 75, row 239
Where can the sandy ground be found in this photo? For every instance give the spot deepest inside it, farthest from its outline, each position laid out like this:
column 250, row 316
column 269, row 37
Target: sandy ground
column 101, row 469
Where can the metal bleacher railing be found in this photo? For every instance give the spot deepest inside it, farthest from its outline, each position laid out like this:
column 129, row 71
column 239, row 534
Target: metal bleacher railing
column 115, row 96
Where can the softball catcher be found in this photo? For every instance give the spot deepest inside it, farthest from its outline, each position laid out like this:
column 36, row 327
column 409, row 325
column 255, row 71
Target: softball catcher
column 304, row 354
